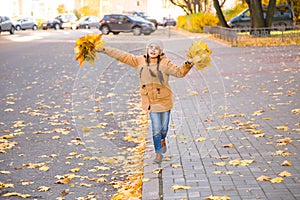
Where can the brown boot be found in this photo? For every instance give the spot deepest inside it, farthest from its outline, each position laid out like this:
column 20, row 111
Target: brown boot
column 163, row 146
column 158, row 159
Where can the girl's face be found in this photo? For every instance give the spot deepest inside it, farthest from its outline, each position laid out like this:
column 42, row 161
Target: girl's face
column 153, row 51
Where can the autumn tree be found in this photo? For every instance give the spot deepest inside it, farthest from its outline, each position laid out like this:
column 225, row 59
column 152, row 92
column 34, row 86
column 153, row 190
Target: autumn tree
column 191, row 6
column 61, row 9
column 220, row 13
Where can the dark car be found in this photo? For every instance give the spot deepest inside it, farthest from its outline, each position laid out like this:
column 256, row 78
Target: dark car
column 6, row 24
column 60, row 22
column 26, row 23
column 142, row 14
column 51, row 23
column 88, row 22
column 283, row 18
column 117, row 23
column 168, row 22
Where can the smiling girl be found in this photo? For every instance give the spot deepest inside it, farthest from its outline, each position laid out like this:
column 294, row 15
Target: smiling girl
column 154, row 70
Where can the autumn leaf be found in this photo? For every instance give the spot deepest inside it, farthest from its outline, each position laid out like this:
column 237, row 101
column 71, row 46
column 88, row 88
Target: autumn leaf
column 176, row 166
column 86, row 47
column 10, row 194
column 200, row 139
column 284, row 141
column 285, row 174
column 74, row 169
column 276, row 180
column 230, row 145
column 180, row 187
column 220, row 164
column 258, row 112
column 263, row 178
column 286, row 163
column 217, row 172
column 43, row 189
column 218, row 198
column 85, row 129
column 296, row 111
column 6, row 185
column 200, row 54
column 284, row 128
column 44, row 168
column 63, row 181
column 157, row 170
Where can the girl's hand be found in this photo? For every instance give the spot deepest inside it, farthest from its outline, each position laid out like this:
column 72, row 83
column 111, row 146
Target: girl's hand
column 100, row 50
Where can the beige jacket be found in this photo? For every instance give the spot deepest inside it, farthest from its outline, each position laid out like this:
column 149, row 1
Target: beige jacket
column 156, row 96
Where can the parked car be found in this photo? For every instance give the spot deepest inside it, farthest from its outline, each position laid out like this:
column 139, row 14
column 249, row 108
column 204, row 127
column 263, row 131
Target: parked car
column 26, row 23
column 60, row 22
column 283, row 17
column 142, row 14
column 117, row 23
column 88, row 22
column 6, row 24
column 167, row 22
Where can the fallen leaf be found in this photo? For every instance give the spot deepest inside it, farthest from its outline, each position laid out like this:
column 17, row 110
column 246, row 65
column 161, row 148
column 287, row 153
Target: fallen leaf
column 157, row 170
column 220, row 163
column 180, row 187
column 218, row 198
column 286, row 163
column 63, row 181
column 296, row 111
column 230, row 145
column 44, row 168
column 74, row 169
column 276, row 180
column 109, row 114
column 200, row 139
column 285, row 174
column 176, row 166
column 263, row 178
column 284, row 128
column 10, row 194
column 43, row 189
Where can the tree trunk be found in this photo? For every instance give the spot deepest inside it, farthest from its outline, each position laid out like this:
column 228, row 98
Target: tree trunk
column 220, row 14
column 257, row 14
column 270, row 13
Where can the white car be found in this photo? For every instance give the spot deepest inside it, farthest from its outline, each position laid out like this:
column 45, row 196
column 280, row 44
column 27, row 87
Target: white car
column 26, row 23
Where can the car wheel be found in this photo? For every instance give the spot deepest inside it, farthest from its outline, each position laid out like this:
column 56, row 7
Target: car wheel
column 137, row 30
column 34, row 27
column 18, row 28
column 105, row 30
column 116, row 33
column 12, row 30
column 73, row 27
column 56, row 26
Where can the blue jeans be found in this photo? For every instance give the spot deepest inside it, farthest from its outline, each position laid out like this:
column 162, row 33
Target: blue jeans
column 160, row 126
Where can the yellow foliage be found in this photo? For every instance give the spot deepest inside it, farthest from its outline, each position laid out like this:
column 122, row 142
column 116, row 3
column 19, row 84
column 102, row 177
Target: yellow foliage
column 200, row 54
column 195, row 22
column 86, row 47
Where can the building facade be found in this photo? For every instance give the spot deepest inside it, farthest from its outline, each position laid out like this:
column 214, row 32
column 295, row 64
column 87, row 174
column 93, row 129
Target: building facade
column 44, row 9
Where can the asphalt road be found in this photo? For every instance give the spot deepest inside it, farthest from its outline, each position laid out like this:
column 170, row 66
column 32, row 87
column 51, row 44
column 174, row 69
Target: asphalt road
column 46, row 102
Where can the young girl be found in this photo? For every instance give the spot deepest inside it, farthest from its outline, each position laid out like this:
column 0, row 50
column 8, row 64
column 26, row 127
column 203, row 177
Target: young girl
column 154, row 70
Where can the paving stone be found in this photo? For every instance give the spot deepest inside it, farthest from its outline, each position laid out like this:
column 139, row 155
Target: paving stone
column 241, row 67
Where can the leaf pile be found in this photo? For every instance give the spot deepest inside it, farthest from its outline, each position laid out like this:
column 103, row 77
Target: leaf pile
column 200, row 54
column 86, row 47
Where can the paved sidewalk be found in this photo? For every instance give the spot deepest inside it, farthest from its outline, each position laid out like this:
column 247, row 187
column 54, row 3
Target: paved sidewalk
column 231, row 124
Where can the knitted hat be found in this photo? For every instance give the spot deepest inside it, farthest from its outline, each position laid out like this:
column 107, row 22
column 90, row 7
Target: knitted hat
column 156, row 42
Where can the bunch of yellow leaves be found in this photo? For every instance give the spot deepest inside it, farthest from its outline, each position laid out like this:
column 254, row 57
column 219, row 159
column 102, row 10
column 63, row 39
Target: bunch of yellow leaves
column 200, row 54
column 86, row 47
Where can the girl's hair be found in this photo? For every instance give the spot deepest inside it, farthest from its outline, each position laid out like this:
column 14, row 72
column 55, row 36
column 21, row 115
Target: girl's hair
column 159, row 73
